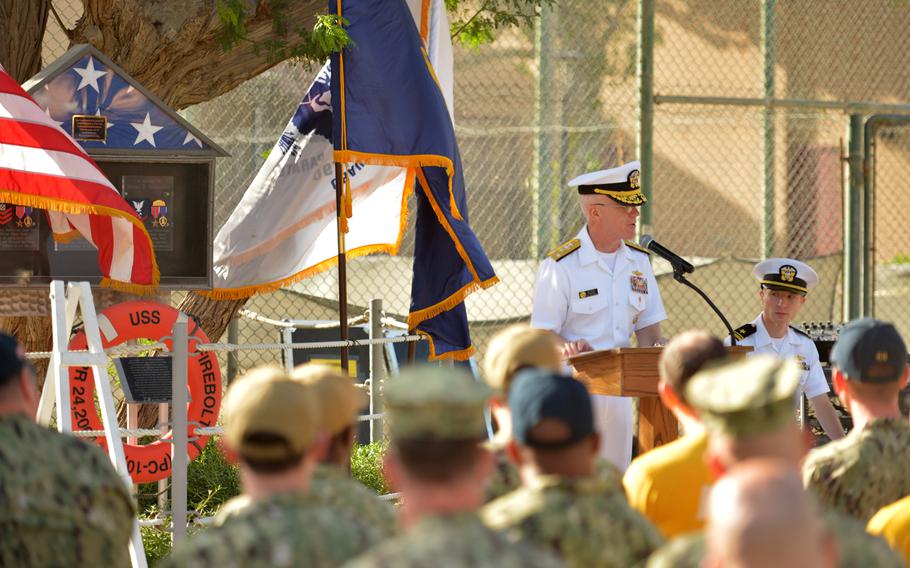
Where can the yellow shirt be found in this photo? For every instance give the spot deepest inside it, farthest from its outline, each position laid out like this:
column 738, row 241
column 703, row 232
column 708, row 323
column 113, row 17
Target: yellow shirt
column 892, row 523
column 669, row 485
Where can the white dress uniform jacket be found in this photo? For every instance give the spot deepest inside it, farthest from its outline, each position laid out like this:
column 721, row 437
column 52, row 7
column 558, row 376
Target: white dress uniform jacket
column 795, row 344
column 579, row 297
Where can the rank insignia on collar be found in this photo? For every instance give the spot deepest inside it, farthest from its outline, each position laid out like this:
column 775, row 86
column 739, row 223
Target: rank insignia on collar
column 587, row 293
column 639, row 283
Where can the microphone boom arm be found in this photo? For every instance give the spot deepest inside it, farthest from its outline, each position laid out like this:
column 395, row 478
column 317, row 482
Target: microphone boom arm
column 680, row 277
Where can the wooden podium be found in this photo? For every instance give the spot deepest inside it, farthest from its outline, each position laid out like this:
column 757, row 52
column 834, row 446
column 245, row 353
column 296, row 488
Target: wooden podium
column 633, row 372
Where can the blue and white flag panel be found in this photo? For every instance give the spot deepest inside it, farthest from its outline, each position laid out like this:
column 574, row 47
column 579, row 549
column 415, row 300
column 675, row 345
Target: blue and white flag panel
column 88, row 87
column 389, row 110
column 284, row 227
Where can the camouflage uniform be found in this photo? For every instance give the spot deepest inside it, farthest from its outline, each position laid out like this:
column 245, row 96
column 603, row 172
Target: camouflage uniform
column 288, row 529
column 427, row 404
column 332, row 488
column 61, row 501
column 505, row 477
column 586, row 521
column 459, row 539
column 855, row 546
column 863, row 472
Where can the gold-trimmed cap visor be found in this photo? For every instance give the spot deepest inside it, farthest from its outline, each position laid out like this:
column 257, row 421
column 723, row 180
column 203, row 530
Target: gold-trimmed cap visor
column 631, row 198
column 772, row 282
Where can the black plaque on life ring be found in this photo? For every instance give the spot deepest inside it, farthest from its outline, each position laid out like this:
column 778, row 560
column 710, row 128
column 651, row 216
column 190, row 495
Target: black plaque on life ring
column 145, row 380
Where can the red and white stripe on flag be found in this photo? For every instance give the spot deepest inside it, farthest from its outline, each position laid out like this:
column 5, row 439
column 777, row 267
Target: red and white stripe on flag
column 42, row 166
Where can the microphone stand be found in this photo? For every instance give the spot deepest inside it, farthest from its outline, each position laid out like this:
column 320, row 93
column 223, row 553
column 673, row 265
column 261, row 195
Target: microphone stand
column 680, row 277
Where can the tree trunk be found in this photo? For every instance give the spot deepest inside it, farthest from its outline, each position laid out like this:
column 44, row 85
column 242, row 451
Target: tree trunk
column 213, row 315
column 22, row 24
column 172, row 46
column 34, row 333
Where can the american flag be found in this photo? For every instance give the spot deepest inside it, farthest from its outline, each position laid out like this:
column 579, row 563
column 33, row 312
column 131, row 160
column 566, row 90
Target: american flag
column 41, row 166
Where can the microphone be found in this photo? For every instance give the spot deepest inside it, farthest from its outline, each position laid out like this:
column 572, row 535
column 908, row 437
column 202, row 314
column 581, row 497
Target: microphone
column 679, row 263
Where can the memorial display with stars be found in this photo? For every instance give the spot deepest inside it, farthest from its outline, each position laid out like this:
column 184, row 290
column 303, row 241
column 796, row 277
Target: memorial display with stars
column 88, row 87
column 160, row 163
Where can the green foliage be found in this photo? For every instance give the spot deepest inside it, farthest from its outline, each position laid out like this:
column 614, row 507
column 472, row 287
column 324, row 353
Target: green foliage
column 366, row 466
column 157, row 543
column 900, row 258
column 474, row 22
column 212, row 480
column 289, row 42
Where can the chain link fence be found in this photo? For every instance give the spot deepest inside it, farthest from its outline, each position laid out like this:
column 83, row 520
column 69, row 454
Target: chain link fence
column 749, row 128
column 891, row 231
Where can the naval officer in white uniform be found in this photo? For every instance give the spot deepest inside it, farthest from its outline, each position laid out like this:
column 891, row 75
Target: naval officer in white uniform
column 784, row 283
column 597, row 289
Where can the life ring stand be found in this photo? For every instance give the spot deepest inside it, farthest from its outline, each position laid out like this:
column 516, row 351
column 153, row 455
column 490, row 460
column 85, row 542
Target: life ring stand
column 127, row 321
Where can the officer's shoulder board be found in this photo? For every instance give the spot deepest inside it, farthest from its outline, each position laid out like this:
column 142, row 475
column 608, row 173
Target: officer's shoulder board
column 800, row 332
column 638, row 247
column 745, row 331
column 564, row 250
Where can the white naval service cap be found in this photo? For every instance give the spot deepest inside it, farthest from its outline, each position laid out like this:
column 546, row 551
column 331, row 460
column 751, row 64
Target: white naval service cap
column 786, row 274
column 622, row 184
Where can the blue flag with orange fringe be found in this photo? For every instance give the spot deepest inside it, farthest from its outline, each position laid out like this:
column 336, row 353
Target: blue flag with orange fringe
column 391, row 112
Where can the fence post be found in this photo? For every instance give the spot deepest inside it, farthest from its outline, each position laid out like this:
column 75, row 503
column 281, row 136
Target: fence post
column 179, row 457
column 233, row 332
column 646, row 108
column 768, row 39
column 377, row 367
column 544, row 116
column 287, row 337
column 853, row 215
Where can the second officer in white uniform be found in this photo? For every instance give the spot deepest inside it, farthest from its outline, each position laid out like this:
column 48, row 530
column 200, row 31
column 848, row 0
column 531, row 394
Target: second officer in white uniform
column 596, row 290
column 784, row 283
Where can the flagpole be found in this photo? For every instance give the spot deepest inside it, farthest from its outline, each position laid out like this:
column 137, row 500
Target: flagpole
column 342, row 266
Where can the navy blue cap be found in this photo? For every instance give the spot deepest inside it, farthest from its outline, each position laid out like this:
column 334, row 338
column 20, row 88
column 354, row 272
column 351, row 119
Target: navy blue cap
column 540, row 394
column 12, row 358
column 870, row 351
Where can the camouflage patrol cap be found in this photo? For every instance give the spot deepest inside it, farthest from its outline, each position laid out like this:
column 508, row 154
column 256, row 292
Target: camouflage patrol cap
column 750, row 396
column 516, row 347
column 428, row 402
column 268, row 417
column 338, row 398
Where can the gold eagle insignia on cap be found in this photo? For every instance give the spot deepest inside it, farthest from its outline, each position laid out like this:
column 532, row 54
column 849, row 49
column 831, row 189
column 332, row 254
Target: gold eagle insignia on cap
column 787, row 273
column 635, row 179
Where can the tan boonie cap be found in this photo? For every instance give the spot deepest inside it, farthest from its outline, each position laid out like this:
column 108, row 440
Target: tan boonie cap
column 750, row 396
column 267, row 401
column 428, row 402
column 516, row 347
column 338, row 398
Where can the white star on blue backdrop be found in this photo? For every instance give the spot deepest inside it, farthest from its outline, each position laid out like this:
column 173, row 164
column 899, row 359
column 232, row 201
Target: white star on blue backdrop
column 133, row 121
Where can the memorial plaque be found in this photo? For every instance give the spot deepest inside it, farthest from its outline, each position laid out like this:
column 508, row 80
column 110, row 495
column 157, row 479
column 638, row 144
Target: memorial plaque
column 145, row 379
column 90, row 127
column 153, row 199
column 19, row 228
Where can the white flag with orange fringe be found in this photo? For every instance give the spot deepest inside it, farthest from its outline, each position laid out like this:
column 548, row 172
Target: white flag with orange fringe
column 284, row 227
